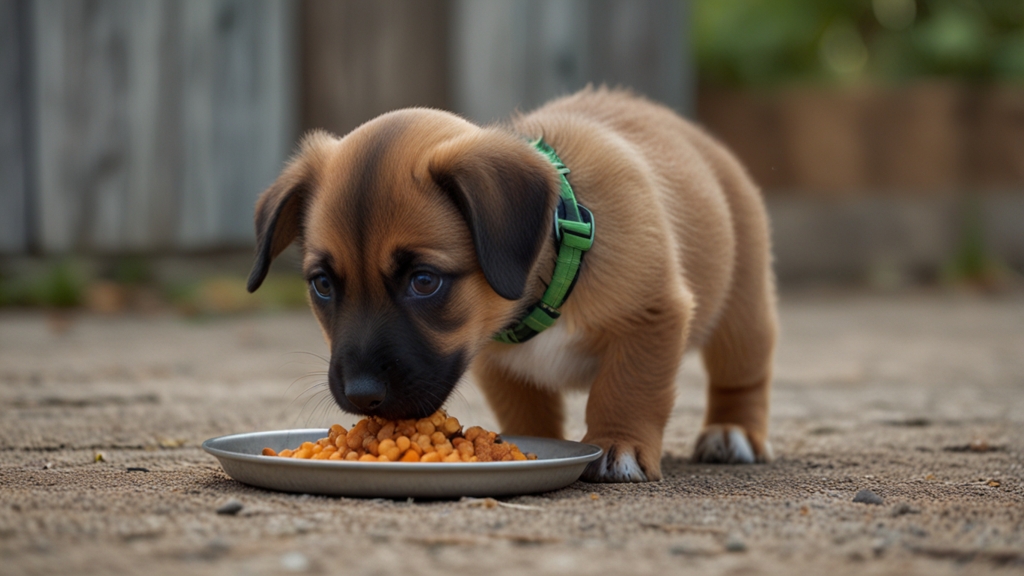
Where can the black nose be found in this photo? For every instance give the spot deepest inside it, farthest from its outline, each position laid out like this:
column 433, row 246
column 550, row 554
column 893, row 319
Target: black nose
column 365, row 393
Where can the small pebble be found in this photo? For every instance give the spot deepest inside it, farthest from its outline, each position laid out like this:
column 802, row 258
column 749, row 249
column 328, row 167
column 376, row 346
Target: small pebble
column 48, row 466
column 136, row 469
column 230, row 508
column 868, row 497
column 734, row 543
column 99, row 457
column 295, row 562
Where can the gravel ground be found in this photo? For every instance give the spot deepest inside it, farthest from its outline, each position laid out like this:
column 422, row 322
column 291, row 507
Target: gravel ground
column 918, row 399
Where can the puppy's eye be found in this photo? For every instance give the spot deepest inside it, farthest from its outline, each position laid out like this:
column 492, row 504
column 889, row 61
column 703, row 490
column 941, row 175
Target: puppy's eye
column 424, row 284
column 322, row 286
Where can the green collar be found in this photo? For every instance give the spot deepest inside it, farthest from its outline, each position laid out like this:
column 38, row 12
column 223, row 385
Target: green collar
column 574, row 233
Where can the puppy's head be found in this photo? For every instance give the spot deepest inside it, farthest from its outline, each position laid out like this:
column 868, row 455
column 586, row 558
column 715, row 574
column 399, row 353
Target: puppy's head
column 418, row 233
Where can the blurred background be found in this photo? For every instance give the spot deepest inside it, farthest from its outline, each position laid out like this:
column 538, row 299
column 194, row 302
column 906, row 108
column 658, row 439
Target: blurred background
column 888, row 135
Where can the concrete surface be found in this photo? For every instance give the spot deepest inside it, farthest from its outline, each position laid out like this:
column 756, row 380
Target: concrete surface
column 880, row 393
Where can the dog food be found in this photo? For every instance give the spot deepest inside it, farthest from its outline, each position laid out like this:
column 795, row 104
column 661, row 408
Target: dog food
column 437, row 438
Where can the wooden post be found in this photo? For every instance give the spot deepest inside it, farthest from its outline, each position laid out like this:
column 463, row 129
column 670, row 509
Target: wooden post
column 361, row 59
column 516, row 54
column 159, row 122
column 14, row 233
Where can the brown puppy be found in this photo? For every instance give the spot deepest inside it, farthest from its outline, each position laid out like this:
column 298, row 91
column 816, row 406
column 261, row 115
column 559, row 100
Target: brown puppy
column 423, row 235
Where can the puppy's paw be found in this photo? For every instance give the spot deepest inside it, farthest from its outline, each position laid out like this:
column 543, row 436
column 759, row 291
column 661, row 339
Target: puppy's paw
column 730, row 444
column 620, row 462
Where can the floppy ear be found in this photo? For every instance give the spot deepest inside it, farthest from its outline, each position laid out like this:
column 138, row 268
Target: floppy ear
column 506, row 191
column 279, row 209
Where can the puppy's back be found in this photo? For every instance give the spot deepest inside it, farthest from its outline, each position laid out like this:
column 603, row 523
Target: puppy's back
column 712, row 209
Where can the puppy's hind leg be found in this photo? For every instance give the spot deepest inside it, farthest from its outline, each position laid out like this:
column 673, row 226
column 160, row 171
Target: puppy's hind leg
column 520, row 406
column 738, row 359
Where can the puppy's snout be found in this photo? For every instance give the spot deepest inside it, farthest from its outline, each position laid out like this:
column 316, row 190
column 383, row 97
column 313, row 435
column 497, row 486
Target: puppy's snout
column 365, row 393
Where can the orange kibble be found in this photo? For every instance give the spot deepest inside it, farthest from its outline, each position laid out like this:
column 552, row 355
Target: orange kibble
column 438, row 418
column 373, row 426
column 451, row 426
column 473, row 433
column 386, row 431
column 371, row 444
column 403, row 443
column 423, row 441
column 436, row 438
column 354, row 440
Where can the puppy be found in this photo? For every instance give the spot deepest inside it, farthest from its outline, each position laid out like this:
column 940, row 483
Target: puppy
column 423, row 235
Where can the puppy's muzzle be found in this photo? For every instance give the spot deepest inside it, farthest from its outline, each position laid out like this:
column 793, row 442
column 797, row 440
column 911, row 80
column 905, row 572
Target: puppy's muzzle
column 365, row 393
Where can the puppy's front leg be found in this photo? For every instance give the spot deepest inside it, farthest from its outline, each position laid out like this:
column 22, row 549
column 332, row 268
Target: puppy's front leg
column 632, row 397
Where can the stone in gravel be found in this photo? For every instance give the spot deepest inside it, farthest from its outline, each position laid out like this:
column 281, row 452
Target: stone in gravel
column 231, row 507
column 868, row 497
column 734, row 543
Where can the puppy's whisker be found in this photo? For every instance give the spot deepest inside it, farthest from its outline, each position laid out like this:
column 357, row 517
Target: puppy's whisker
column 306, row 403
column 310, row 375
column 313, row 354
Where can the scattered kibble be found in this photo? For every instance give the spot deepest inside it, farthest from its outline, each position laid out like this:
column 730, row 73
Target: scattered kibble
column 994, row 483
column 436, row 438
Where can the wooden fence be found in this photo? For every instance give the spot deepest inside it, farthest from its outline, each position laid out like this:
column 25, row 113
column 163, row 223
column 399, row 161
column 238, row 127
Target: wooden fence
column 143, row 127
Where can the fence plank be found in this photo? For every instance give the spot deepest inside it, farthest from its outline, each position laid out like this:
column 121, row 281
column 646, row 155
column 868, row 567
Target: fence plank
column 13, row 185
column 159, row 122
column 520, row 53
column 361, row 59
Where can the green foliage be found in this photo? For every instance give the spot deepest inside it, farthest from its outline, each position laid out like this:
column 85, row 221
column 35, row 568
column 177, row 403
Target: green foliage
column 59, row 286
column 768, row 42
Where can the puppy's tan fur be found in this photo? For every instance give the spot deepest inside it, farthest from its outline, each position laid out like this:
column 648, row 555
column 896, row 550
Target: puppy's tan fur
column 681, row 260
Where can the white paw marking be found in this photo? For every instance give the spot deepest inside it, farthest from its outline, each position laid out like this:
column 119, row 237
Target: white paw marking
column 623, row 468
column 725, row 445
column 742, row 451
